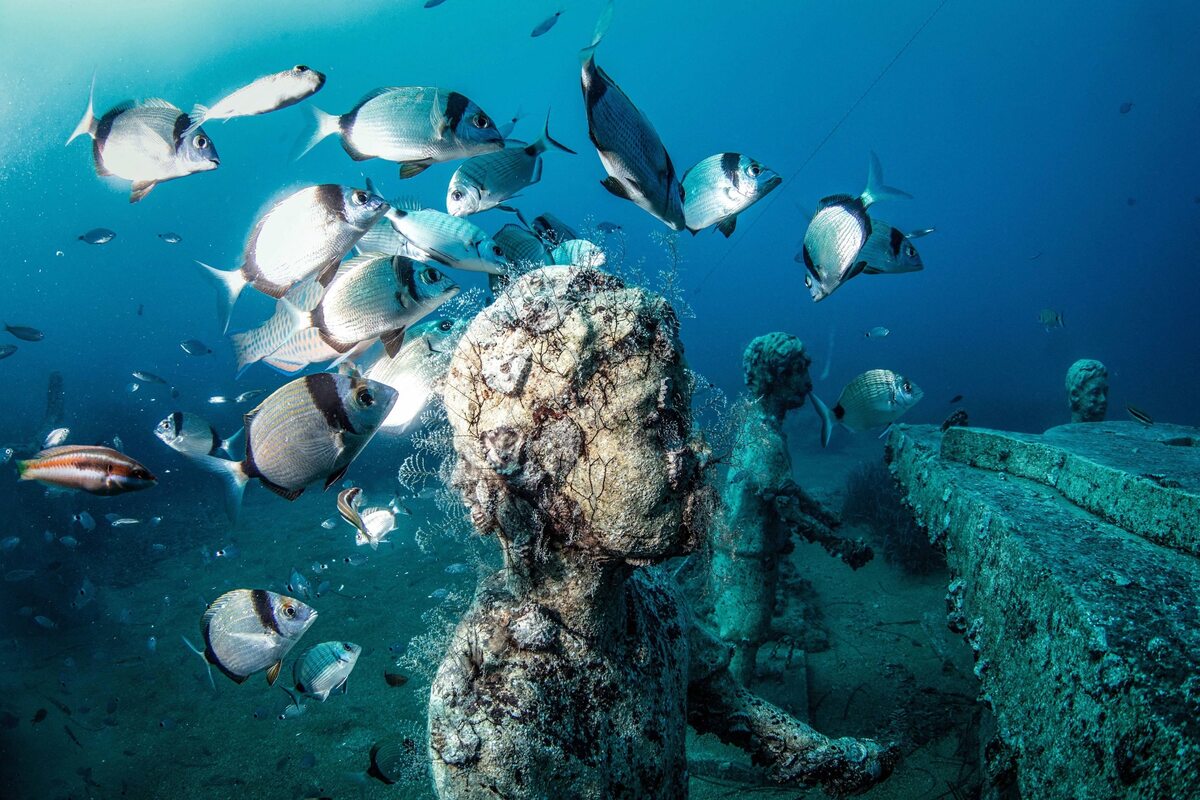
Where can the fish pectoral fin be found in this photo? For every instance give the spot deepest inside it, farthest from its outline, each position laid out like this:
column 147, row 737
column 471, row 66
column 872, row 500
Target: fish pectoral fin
column 869, row 270
column 140, row 189
column 336, row 476
column 411, row 169
column 273, row 672
column 727, row 225
column 286, row 494
column 855, row 268
column 615, row 187
column 392, row 342
column 326, row 274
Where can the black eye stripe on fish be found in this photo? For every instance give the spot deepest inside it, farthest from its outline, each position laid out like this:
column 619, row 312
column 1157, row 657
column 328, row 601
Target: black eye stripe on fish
column 177, row 422
column 406, row 271
column 181, row 125
column 330, row 197
column 729, row 166
column 456, row 106
column 263, row 610
column 896, row 241
column 323, row 389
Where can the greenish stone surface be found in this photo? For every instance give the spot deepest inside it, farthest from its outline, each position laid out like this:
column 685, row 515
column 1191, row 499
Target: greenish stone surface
column 1076, row 581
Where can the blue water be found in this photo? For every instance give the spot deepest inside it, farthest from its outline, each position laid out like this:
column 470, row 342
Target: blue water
column 1003, row 120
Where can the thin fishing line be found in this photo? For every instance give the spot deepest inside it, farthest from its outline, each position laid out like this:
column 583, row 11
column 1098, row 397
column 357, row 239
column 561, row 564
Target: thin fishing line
column 776, row 195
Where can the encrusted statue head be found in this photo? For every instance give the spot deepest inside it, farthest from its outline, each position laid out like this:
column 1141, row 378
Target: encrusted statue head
column 570, row 406
column 1087, row 390
column 776, row 371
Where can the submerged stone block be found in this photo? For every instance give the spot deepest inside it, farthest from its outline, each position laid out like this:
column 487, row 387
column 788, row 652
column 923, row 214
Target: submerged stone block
column 1076, row 582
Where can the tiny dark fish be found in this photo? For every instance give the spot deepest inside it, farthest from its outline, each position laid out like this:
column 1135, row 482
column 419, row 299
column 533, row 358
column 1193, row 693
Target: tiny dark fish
column 608, row 227
column 74, row 738
column 170, row 238
column 1132, row 201
column 141, row 309
column 25, row 333
column 7, row 350
column 395, row 679
column 956, row 398
column 195, row 347
column 60, row 706
column 98, row 236
column 39, row 715
column 1126, row 107
column 1139, row 415
column 433, row 3
column 545, row 25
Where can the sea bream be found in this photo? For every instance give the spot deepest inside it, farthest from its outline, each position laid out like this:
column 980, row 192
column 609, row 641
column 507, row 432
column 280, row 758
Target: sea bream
column 891, row 251
column 839, row 230
column 415, row 371
column 378, row 296
column 306, row 233
column 325, row 668
column 876, row 397
column 266, row 94
column 250, row 630
column 415, row 126
column 451, row 241
column 522, row 246
column 371, row 525
column 487, row 180
column 146, row 143
column 257, row 344
column 192, row 436
column 638, row 166
column 720, row 187
column 579, row 253
column 309, row 429
column 97, row 470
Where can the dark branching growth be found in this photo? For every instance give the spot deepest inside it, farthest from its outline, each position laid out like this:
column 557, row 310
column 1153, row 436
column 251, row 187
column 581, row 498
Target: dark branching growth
column 873, row 499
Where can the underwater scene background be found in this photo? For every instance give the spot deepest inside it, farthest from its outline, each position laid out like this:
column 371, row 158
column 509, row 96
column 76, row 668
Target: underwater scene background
column 1051, row 146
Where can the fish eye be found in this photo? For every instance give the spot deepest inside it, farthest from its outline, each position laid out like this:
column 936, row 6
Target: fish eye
column 359, row 197
column 445, row 325
column 200, row 142
column 497, row 250
column 364, row 397
column 754, row 170
column 907, row 386
column 289, row 611
column 349, row 648
column 480, row 120
column 456, row 195
column 909, row 250
column 430, row 275
column 299, row 68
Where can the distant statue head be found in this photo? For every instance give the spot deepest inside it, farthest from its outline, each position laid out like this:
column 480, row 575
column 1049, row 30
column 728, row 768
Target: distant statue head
column 1087, row 390
column 570, row 405
column 776, row 372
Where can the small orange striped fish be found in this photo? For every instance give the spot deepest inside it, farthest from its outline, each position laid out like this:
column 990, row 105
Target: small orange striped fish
column 99, row 470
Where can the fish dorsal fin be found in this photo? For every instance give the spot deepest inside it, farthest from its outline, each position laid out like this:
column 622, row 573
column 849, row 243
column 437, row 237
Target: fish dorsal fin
column 371, row 95
column 407, row 203
column 361, row 260
column 286, row 494
column 835, row 199
column 157, row 102
column 273, row 672
column 120, row 108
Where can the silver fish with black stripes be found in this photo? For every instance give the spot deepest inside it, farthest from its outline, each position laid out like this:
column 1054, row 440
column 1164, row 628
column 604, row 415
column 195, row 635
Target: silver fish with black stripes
column 488, row 180
column 720, row 187
column 415, row 126
column 309, row 429
column 324, row 668
column 840, row 228
column 450, row 241
column 638, row 165
column 379, row 296
column 306, row 233
column 191, row 435
column 245, row 631
column 146, row 143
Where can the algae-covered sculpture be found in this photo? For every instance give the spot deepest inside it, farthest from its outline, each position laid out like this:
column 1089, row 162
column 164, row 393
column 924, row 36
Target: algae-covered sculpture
column 577, row 667
column 763, row 506
column 1087, row 390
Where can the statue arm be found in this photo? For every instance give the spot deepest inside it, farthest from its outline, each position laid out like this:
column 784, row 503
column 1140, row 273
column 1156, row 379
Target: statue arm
column 789, row 750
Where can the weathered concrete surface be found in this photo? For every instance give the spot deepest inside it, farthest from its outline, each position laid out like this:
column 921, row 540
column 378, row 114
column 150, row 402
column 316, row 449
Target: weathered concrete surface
column 1086, row 627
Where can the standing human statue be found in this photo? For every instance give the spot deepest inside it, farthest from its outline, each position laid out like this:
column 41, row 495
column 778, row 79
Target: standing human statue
column 1087, row 390
column 762, row 504
column 577, row 667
